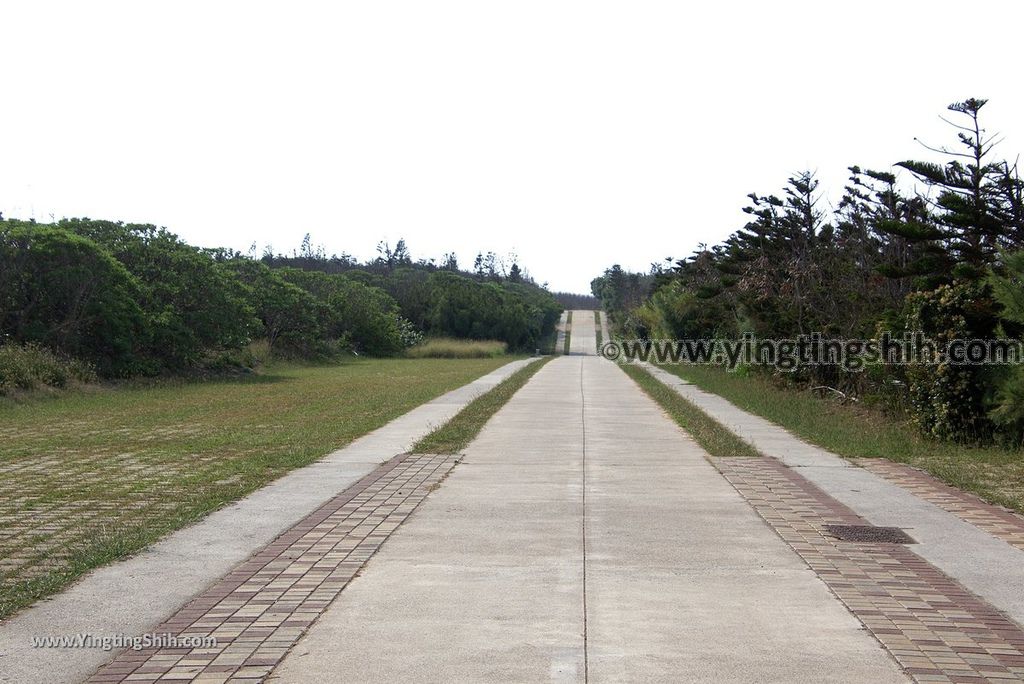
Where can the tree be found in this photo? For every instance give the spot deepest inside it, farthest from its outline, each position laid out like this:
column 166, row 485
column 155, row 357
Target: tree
column 351, row 313
column 1007, row 406
column 967, row 208
column 769, row 263
column 288, row 315
column 907, row 247
column 64, row 292
column 193, row 305
column 410, row 288
column 450, row 262
column 515, row 313
column 388, row 258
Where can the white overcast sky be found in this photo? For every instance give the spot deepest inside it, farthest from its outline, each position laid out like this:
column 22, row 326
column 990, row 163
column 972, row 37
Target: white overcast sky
column 575, row 134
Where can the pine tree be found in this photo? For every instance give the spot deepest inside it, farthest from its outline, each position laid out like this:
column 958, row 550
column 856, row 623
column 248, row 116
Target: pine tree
column 967, row 207
column 907, row 244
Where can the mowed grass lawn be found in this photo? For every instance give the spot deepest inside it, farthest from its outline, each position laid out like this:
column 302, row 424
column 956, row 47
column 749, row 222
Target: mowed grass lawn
column 993, row 473
column 91, row 476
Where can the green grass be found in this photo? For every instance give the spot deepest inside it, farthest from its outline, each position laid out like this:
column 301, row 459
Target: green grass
column 995, row 474
column 714, row 437
column 115, row 469
column 597, row 330
column 453, row 436
column 568, row 333
column 450, row 348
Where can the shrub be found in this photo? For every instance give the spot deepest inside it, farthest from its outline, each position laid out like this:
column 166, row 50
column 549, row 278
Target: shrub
column 63, row 292
column 360, row 316
column 1008, row 403
column 31, row 367
column 948, row 401
column 288, row 314
column 517, row 314
column 193, row 306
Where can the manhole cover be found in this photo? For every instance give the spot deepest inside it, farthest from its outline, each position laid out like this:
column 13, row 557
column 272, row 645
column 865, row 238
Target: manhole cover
column 869, row 533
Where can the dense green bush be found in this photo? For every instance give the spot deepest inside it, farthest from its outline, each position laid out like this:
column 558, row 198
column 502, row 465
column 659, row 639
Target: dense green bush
column 463, row 307
column 352, row 313
column 289, row 316
column 950, row 400
column 1007, row 405
column 64, row 292
column 193, row 305
column 411, row 289
column 134, row 299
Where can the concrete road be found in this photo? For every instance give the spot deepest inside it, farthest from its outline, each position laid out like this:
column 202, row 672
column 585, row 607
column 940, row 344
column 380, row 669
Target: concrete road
column 583, row 341
column 585, row 538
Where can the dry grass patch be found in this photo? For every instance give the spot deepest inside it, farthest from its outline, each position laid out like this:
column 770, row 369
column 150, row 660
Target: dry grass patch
column 450, row 348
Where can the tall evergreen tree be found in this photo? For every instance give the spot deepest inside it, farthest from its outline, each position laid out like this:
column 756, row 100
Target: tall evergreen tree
column 967, row 206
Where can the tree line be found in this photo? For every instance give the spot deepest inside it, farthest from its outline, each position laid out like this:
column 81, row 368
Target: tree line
column 135, row 299
column 570, row 300
column 927, row 246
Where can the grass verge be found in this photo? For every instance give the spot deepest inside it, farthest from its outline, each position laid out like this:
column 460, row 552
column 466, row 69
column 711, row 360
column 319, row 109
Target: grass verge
column 450, row 348
column 93, row 476
column 568, row 333
column 597, row 330
column 453, row 436
column 993, row 473
column 548, row 342
column 714, row 437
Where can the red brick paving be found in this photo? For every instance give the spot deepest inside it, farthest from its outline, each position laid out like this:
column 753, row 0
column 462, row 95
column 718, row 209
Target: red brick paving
column 998, row 522
column 261, row 608
column 934, row 628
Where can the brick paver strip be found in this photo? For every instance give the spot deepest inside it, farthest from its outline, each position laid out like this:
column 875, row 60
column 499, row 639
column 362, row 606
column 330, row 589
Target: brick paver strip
column 261, row 609
column 999, row 522
column 935, row 629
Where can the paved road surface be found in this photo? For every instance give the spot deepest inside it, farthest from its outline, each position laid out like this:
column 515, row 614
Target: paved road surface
column 585, row 537
column 582, row 537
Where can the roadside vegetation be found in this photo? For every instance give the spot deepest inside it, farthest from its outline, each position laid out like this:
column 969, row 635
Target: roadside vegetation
column 714, row 437
column 30, row 367
column 597, row 330
column 451, row 348
column 933, row 246
column 457, row 433
column 90, row 477
column 548, row 343
column 133, row 300
column 994, row 473
column 570, row 301
column 568, row 333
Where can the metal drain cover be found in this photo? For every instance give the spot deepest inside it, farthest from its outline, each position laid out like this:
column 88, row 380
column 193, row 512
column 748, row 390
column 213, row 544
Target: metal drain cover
column 869, row 533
